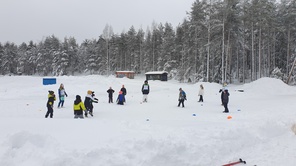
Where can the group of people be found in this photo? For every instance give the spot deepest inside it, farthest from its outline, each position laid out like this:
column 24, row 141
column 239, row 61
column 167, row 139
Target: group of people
column 224, row 97
column 79, row 106
column 121, row 96
column 86, row 107
column 51, row 98
column 182, row 95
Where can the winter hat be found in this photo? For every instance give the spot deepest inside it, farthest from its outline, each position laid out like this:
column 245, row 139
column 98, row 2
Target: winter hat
column 78, row 97
column 145, row 81
column 120, row 92
column 51, row 92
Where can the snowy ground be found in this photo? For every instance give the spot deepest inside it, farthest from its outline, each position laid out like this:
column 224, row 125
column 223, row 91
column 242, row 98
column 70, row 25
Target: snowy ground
column 157, row 133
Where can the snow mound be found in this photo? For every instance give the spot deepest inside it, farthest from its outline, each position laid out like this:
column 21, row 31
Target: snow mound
column 268, row 86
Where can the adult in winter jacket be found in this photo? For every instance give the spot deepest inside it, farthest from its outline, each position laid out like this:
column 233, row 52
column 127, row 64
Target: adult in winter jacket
column 49, row 104
column 89, row 99
column 225, row 100
column 124, row 92
column 110, row 92
column 78, row 108
column 222, row 91
column 182, row 97
column 201, row 93
column 62, row 94
column 120, row 98
column 145, row 91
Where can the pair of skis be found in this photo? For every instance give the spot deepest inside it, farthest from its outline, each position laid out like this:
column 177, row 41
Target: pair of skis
column 240, row 161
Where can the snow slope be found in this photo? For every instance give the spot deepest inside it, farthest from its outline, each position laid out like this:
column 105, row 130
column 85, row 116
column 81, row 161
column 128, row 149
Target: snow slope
column 156, row 133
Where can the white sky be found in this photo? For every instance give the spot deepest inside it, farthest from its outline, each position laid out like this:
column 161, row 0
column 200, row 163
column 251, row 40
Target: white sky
column 25, row 20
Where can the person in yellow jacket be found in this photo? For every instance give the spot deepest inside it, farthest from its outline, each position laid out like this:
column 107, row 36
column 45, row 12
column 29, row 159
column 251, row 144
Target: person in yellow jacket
column 49, row 104
column 78, row 108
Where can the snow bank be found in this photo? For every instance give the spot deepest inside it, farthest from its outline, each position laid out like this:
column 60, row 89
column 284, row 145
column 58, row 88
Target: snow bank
column 268, row 86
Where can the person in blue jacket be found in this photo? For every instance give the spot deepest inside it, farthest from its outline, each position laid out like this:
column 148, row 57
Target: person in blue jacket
column 62, row 94
column 120, row 98
column 182, row 97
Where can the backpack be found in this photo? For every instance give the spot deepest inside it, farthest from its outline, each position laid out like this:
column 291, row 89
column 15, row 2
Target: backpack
column 184, row 95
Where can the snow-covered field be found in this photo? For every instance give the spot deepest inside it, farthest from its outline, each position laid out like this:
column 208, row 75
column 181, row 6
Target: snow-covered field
column 157, row 133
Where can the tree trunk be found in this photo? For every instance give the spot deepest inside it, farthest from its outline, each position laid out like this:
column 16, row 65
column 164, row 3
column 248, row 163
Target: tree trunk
column 259, row 56
column 288, row 49
column 253, row 56
column 223, row 51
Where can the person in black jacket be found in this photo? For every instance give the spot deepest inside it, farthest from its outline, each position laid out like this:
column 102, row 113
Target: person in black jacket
column 89, row 99
column 145, row 91
column 49, row 104
column 110, row 91
column 225, row 100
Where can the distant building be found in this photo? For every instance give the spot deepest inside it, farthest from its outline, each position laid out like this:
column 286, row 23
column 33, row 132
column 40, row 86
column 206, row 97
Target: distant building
column 128, row 74
column 157, row 75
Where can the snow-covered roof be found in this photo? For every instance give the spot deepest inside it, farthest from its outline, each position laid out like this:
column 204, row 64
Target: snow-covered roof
column 156, row 72
column 125, row 71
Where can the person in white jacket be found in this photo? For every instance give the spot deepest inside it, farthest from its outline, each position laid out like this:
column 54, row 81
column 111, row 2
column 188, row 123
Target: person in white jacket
column 201, row 93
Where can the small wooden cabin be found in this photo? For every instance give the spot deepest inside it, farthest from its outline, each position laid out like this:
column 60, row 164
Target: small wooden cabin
column 128, row 74
column 157, row 75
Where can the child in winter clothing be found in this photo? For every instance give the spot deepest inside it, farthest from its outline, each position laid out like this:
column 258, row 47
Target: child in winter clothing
column 222, row 91
column 145, row 91
column 49, row 105
column 62, row 94
column 89, row 99
column 120, row 98
column 78, row 108
column 201, row 93
column 182, row 97
column 110, row 91
column 225, row 100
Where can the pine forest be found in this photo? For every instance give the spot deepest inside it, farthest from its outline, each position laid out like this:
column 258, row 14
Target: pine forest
column 219, row 41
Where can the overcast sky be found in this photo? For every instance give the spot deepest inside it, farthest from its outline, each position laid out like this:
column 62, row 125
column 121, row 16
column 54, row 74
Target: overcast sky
column 25, row 20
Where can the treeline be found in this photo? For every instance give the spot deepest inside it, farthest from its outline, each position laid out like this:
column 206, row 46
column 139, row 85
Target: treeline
column 219, row 41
